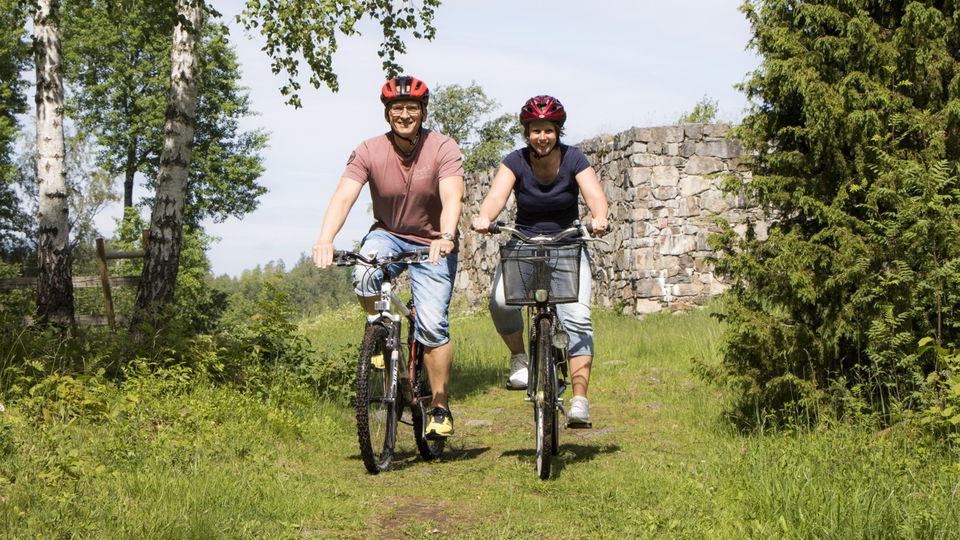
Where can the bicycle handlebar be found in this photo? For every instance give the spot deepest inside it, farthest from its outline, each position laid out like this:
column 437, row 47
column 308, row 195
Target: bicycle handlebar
column 577, row 231
column 351, row 258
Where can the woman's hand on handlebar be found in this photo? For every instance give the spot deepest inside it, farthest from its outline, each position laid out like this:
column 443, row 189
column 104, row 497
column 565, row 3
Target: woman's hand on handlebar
column 480, row 224
column 599, row 226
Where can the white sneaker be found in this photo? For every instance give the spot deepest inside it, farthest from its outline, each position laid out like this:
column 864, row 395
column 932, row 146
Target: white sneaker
column 518, row 372
column 579, row 413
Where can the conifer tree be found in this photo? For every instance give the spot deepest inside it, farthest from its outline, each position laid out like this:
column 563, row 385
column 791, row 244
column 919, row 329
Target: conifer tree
column 855, row 136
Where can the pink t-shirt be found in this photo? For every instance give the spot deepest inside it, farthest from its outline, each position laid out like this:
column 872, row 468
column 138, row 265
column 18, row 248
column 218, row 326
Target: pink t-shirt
column 406, row 191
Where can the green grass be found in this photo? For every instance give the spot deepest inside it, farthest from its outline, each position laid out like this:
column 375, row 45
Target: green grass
column 211, row 462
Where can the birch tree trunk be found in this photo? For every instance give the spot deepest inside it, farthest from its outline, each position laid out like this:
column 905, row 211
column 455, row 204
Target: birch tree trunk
column 55, row 284
column 159, row 277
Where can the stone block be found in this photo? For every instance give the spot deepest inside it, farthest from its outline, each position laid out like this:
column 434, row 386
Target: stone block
column 688, row 148
column 700, row 165
column 689, row 289
column 672, row 149
column 648, row 288
column 715, row 130
column 665, row 176
column 645, row 160
column 714, row 202
column 646, row 307
column 676, row 244
column 639, row 176
column 693, row 131
column 665, row 193
column 702, row 241
column 688, row 206
column 692, row 185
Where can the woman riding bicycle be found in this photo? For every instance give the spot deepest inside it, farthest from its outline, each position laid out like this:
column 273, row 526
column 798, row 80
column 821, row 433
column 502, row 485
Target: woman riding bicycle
column 547, row 177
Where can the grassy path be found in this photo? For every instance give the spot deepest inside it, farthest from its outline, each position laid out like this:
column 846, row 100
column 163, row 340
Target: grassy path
column 659, row 463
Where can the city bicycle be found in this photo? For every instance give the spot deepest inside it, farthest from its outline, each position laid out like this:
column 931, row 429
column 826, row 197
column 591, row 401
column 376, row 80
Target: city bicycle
column 390, row 371
column 540, row 272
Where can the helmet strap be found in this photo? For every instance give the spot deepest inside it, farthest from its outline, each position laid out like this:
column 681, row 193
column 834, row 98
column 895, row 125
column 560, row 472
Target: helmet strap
column 413, row 142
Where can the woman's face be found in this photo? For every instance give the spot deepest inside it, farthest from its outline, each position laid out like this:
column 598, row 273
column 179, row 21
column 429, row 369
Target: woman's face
column 542, row 135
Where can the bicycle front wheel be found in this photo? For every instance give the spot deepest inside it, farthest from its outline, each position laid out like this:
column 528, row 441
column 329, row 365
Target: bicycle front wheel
column 545, row 399
column 376, row 400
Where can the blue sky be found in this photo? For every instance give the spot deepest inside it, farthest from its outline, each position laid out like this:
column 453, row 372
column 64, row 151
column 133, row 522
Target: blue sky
column 614, row 64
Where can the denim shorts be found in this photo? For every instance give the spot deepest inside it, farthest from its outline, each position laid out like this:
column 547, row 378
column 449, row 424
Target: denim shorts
column 575, row 316
column 432, row 284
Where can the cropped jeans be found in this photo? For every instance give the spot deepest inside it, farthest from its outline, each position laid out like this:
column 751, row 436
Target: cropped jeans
column 575, row 316
column 432, row 284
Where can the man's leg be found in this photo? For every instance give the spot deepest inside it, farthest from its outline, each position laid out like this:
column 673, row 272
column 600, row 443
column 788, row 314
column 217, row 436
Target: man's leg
column 438, row 360
column 432, row 289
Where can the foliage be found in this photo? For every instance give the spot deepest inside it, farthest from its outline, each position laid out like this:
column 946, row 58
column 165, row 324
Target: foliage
column 14, row 53
column 118, row 64
column 89, row 190
column 854, row 136
column 305, row 30
column 939, row 395
column 459, row 112
column 704, row 112
column 309, row 289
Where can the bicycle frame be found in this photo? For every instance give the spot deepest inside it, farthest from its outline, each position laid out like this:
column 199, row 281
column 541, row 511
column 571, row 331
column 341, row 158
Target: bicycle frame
column 403, row 384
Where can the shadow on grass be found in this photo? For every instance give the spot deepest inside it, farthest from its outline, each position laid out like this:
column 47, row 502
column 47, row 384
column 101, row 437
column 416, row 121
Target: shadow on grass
column 408, row 458
column 569, row 454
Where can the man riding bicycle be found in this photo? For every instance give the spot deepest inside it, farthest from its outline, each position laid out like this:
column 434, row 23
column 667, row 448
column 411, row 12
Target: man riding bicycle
column 416, row 185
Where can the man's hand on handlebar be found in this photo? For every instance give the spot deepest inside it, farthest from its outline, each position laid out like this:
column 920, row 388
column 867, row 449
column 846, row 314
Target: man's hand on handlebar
column 323, row 254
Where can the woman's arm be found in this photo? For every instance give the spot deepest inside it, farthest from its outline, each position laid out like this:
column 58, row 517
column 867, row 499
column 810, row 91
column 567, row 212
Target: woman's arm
column 496, row 198
column 593, row 195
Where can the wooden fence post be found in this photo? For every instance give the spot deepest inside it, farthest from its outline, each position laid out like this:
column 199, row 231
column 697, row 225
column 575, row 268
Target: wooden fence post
column 105, row 284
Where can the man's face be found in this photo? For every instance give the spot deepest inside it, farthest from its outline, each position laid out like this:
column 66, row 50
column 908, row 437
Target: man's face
column 405, row 117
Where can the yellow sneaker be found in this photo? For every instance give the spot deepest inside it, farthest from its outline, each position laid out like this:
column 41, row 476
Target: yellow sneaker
column 377, row 361
column 441, row 424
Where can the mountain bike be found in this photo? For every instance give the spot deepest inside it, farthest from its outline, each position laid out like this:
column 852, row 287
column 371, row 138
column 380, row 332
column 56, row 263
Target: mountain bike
column 540, row 272
column 390, row 371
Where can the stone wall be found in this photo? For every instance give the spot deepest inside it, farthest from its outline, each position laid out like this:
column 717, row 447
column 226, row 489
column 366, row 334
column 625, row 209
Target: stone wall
column 663, row 186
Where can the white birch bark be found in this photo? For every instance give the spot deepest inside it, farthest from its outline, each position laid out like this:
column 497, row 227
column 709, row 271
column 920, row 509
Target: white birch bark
column 158, row 280
column 54, row 286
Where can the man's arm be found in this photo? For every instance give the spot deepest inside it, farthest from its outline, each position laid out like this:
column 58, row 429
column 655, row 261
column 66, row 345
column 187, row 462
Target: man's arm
column 451, row 199
column 340, row 204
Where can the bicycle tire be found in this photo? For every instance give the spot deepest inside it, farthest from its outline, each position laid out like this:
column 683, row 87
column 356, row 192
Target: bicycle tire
column 429, row 449
column 376, row 401
column 559, row 360
column 545, row 399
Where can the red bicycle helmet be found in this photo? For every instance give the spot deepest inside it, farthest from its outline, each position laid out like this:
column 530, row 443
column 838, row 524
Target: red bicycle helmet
column 543, row 108
column 404, row 87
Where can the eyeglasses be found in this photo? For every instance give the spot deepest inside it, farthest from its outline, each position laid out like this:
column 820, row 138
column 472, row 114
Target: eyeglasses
column 412, row 109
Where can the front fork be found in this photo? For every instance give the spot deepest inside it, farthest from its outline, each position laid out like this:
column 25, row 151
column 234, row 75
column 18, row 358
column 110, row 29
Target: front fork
column 560, row 340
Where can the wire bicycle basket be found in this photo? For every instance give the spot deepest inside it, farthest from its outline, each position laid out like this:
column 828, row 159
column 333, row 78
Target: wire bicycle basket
column 527, row 268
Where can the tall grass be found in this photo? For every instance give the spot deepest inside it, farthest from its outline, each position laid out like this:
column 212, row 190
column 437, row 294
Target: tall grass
column 206, row 461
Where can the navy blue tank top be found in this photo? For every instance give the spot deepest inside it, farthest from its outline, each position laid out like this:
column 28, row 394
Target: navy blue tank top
column 546, row 208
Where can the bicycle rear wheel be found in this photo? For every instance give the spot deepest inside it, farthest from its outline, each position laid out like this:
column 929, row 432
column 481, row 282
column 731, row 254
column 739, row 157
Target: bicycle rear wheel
column 429, row 449
column 545, row 399
column 376, row 400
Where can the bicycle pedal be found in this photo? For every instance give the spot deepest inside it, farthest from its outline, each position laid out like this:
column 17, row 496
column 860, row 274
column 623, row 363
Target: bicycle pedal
column 579, row 425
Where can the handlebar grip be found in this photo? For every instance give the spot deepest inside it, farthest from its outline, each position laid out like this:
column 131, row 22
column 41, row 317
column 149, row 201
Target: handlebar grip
column 494, row 227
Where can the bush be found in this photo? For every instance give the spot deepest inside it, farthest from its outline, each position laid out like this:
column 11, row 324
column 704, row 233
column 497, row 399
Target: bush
column 854, row 144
